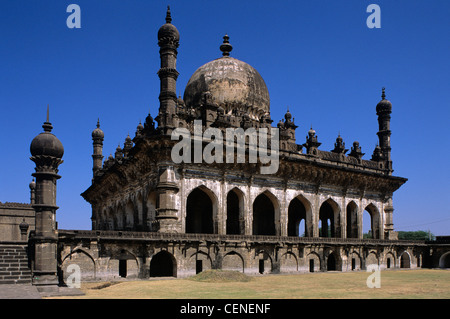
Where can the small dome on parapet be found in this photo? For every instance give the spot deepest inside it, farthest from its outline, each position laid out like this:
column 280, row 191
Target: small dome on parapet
column 32, row 185
column 288, row 115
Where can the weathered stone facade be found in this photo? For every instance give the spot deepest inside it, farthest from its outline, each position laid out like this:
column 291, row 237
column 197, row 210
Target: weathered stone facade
column 109, row 255
column 154, row 216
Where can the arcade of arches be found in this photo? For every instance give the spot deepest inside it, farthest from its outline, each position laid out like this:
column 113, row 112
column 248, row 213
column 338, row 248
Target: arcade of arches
column 265, row 216
column 265, row 213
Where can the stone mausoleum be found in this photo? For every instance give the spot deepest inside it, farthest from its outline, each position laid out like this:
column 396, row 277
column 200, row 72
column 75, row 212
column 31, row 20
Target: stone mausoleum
column 153, row 216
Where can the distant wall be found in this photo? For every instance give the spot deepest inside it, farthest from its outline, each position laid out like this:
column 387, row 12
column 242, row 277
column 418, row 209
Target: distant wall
column 11, row 215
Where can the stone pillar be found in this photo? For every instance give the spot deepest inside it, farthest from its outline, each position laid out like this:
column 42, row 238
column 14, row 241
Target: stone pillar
column 167, row 188
column 284, row 207
column 315, row 216
column 46, row 151
column 389, row 232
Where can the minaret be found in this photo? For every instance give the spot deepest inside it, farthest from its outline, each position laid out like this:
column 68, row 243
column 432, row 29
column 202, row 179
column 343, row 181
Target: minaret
column 384, row 109
column 168, row 41
column 97, row 157
column 46, row 151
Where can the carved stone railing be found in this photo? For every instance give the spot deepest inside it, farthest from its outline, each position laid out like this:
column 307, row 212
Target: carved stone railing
column 105, row 235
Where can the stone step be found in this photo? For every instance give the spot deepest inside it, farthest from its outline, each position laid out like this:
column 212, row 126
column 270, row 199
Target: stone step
column 14, row 265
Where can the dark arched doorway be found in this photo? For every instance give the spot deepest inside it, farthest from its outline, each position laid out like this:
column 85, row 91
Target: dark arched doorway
column 352, row 220
column 296, row 217
column 326, row 220
column 444, row 261
column 371, row 222
column 199, row 212
column 331, row 262
column 405, row 261
column 234, row 207
column 163, row 264
column 263, row 216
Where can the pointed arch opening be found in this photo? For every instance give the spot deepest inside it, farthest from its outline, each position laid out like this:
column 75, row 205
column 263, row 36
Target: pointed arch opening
column 235, row 212
column 405, row 260
column 150, row 210
column 352, row 220
column 139, row 213
column 264, row 213
column 371, row 222
column 129, row 216
column 200, row 207
column 332, row 262
column 119, row 218
column 329, row 219
column 299, row 217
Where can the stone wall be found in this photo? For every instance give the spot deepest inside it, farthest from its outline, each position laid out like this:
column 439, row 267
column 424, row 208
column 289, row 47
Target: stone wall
column 130, row 255
column 11, row 216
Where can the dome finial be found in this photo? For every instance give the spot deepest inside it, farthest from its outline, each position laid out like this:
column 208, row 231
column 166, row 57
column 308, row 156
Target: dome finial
column 383, row 95
column 226, row 47
column 168, row 16
column 47, row 125
column 98, row 122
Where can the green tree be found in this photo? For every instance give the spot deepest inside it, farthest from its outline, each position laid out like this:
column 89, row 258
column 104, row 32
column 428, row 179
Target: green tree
column 416, row 235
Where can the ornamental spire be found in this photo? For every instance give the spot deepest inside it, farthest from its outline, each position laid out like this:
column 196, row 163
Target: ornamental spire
column 47, row 125
column 168, row 16
column 383, row 95
column 226, row 47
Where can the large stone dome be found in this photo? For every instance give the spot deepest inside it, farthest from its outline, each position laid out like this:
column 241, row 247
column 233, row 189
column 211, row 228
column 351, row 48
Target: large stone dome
column 234, row 85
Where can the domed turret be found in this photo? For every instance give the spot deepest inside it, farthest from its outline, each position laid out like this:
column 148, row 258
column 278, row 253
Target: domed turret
column 32, row 185
column 232, row 84
column 98, row 133
column 384, row 105
column 47, row 144
column 168, row 32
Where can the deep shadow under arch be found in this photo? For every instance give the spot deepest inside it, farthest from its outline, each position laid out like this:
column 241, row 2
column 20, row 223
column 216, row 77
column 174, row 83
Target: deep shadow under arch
column 199, row 213
column 235, row 205
column 163, row 264
column 296, row 213
column 331, row 262
column 352, row 220
column 327, row 219
column 263, row 216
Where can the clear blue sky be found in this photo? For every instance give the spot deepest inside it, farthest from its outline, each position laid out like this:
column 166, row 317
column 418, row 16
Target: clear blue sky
column 317, row 57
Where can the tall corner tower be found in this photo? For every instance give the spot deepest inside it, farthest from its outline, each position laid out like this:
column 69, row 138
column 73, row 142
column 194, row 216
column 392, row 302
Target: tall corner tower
column 168, row 41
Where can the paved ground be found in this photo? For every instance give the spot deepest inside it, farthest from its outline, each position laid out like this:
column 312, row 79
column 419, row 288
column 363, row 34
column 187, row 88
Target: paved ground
column 27, row 291
column 17, row 291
